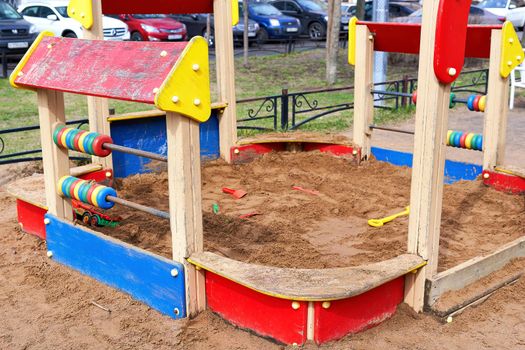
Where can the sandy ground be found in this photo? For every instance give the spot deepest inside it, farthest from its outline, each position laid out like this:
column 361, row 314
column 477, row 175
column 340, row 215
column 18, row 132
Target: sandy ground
column 44, row 305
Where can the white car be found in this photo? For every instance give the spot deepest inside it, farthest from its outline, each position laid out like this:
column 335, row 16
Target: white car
column 52, row 16
column 511, row 10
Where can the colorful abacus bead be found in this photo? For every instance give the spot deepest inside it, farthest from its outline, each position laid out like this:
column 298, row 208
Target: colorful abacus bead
column 85, row 191
column 414, row 97
column 81, row 140
column 467, row 140
column 452, row 100
column 476, row 103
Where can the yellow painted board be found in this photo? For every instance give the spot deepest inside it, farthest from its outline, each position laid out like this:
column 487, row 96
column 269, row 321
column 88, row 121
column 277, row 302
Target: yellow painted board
column 20, row 66
column 81, row 11
column 235, row 12
column 351, row 40
column 186, row 89
column 511, row 50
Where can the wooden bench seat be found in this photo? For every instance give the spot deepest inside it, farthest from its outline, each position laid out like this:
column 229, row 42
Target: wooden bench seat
column 308, row 284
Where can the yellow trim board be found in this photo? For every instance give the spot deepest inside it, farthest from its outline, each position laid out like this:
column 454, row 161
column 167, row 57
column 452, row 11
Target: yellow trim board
column 186, row 89
column 352, row 24
column 235, row 12
column 27, row 56
column 511, row 50
column 155, row 113
column 82, row 12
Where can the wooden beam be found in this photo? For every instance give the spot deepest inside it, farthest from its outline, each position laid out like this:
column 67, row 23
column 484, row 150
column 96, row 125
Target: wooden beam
column 363, row 98
column 184, row 182
column 429, row 159
column 495, row 126
column 98, row 110
column 55, row 160
column 225, row 75
column 472, row 270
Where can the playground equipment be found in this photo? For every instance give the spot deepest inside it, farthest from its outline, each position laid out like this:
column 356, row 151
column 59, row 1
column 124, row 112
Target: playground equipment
column 289, row 305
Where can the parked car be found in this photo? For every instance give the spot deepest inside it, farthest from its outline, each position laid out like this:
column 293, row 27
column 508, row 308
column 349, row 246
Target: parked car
column 312, row 14
column 516, row 15
column 273, row 24
column 499, row 8
column 476, row 16
column 16, row 34
column 52, row 16
column 395, row 10
column 196, row 25
column 154, row 27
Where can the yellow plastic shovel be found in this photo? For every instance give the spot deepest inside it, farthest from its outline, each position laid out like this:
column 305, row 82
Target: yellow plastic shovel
column 381, row 222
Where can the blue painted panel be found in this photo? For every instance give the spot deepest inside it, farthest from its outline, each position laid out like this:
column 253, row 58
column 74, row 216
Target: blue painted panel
column 454, row 171
column 149, row 134
column 143, row 275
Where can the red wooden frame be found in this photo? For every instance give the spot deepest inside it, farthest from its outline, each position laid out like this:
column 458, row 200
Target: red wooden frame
column 156, row 6
column 266, row 315
column 355, row 314
column 112, row 69
column 504, row 182
column 31, row 218
column 405, row 38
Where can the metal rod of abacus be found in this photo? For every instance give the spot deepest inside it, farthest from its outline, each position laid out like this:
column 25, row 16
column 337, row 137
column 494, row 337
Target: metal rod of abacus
column 402, row 131
column 390, row 93
column 136, row 152
column 152, row 211
column 460, row 100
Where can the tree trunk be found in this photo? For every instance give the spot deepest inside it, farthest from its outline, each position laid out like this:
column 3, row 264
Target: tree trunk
column 360, row 9
column 332, row 41
column 246, row 42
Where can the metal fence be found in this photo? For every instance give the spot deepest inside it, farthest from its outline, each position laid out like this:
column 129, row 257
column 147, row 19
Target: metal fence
column 286, row 111
column 292, row 110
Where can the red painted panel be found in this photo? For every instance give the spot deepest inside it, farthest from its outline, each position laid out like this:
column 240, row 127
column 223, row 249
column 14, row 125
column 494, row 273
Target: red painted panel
column 247, row 153
column 357, row 313
column 387, row 38
column 504, row 182
column 265, row 315
column 157, row 6
column 451, row 37
column 31, row 218
column 124, row 70
column 335, row 149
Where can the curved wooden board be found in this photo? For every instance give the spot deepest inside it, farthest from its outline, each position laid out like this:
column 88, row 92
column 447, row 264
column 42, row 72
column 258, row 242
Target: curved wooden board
column 451, row 39
column 308, row 284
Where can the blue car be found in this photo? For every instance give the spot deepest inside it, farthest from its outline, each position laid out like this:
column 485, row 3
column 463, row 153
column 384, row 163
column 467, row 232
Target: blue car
column 273, row 24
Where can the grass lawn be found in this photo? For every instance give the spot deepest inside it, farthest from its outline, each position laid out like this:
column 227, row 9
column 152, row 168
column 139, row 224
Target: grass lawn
column 265, row 76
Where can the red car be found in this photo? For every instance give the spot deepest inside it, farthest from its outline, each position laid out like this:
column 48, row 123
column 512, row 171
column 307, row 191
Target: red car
column 154, row 27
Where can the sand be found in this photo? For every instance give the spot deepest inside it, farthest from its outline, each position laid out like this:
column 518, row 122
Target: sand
column 298, row 229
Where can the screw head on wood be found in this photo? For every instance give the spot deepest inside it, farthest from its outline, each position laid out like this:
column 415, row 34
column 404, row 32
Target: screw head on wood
column 196, row 102
column 72, row 11
column 47, row 221
column 452, row 71
column 354, row 152
column 511, row 40
column 486, row 175
column 449, row 319
column 195, row 67
column 82, row 15
column 176, row 311
column 155, row 90
column 326, row 304
column 295, row 305
column 174, row 272
column 108, row 173
column 518, row 58
column 175, row 99
column 163, row 54
column 236, row 151
column 509, row 63
column 20, row 74
column 49, row 46
column 49, row 254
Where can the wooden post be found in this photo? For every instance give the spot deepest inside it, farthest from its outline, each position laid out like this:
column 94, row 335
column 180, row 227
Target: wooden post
column 184, row 181
column 495, row 126
column 429, row 162
column 55, row 159
column 363, row 99
column 225, row 75
column 98, row 110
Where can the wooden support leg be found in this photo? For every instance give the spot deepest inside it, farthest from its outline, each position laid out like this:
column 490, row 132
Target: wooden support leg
column 363, row 99
column 429, row 159
column 184, row 178
column 225, row 75
column 495, row 126
column 55, row 159
column 98, row 110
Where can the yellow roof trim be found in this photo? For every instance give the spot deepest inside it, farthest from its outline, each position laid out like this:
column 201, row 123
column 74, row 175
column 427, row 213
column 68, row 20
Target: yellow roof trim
column 352, row 24
column 511, row 50
column 18, row 69
column 82, row 12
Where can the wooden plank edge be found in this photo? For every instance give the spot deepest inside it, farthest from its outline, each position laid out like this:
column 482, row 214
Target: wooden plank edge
column 472, row 270
column 200, row 266
column 155, row 113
